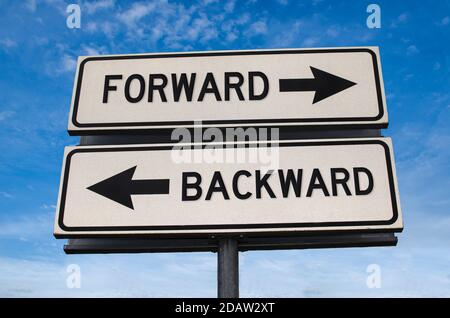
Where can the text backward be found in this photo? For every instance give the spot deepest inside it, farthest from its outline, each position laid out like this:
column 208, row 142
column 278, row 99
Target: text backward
column 317, row 185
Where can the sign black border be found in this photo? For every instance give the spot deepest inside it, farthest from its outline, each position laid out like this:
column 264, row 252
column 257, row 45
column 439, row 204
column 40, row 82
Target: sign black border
column 169, row 124
column 227, row 226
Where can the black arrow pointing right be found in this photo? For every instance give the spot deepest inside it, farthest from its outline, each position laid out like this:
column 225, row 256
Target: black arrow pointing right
column 323, row 83
column 121, row 186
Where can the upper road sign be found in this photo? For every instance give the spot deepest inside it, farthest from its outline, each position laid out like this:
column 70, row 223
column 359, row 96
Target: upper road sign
column 316, row 185
column 308, row 87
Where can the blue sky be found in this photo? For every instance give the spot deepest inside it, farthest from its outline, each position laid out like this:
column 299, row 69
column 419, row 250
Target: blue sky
column 37, row 63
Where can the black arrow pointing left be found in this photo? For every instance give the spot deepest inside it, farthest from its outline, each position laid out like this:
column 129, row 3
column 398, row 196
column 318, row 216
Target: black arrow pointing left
column 121, row 186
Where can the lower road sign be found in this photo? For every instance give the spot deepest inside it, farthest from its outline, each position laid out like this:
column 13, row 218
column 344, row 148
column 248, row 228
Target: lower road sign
column 337, row 185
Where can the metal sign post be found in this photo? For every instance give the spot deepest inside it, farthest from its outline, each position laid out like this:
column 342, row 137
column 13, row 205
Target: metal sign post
column 228, row 268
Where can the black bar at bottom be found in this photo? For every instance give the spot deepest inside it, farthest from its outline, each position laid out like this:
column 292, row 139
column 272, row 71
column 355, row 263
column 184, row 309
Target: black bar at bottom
column 159, row 245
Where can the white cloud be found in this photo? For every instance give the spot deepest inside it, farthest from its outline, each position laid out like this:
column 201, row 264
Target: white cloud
column 59, row 5
column 6, row 114
column 444, row 21
column 92, row 26
column 144, row 275
column 312, row 31
column 333, row 31
column 412, row 50
column 231, row 37
column 229, row 6
column 48, row 206
column 7, row 43
column 179, row 26
column 201, row 28
column 63, row 62
column 291, row 38
column 310, row 41
column 401, row 19
column 257, row 28
column 92, row 7
column 106, row 27
column 137, row 11
column 68, row 63
column 93, row 50
column 208, row 2
column 36, row 226
column 6, row 195
column 31, row 5
column 25, row 278
column 233, row 26
column 242, row 19
column 283, row 2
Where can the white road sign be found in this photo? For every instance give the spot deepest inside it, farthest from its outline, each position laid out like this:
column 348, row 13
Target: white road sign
column 308, row 87
column 309, row 186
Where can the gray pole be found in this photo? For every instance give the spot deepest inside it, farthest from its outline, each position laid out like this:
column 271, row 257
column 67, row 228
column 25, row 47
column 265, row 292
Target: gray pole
column 228, row 268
